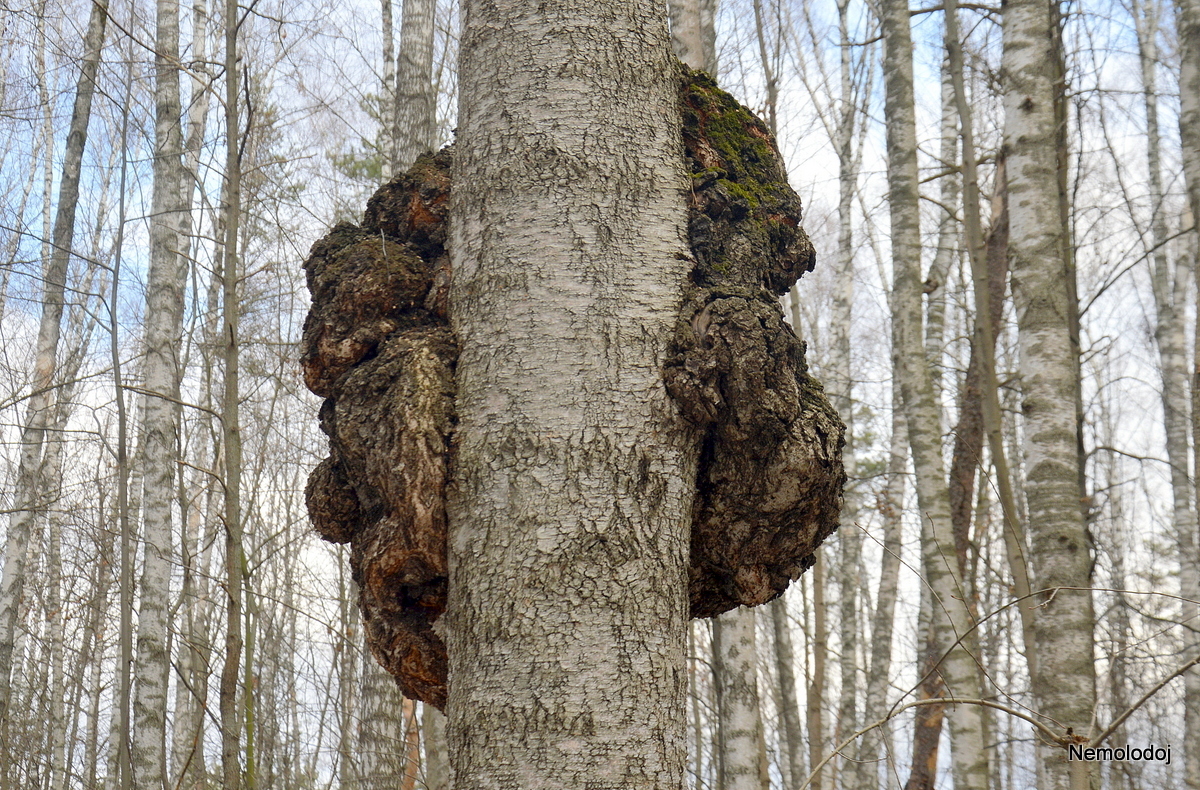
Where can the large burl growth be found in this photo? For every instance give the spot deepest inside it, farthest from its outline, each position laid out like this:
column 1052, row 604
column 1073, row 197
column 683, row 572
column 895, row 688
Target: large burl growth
column 378, row 348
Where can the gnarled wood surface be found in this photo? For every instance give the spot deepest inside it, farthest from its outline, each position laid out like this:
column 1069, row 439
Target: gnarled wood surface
column 378, row 348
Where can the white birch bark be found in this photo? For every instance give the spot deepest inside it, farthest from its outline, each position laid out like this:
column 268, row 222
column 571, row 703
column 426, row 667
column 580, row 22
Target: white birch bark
column 433, row 737
column 840, row 387
column 380, row 748
column 570, row 510
column 1169, row 279
column 951, row 618
column 349, row 664
column 891, row 507
column 785, row 663
column 415, row 129
column 815, row 702
column 231, row 439
column 195, row 609
column 741, row 763
column 693, row 33
column 164, row 322
column 1188, row 32
column 387, row 97
column 28, row 493
column 1064, row 683
column 947, row 238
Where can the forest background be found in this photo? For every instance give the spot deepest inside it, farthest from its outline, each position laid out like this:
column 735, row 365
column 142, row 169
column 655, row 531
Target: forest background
column 166, row 610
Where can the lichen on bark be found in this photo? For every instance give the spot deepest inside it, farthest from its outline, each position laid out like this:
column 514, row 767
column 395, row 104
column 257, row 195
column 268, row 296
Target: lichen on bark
column 377, row 346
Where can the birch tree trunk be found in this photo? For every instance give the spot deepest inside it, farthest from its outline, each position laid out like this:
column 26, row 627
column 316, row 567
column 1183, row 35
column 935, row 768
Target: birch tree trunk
column 741, row 761
column 191, row 699
column 693, row 33
column 415, row 129
column 1064, row 682
column 785, row 662
column 891, row 508
column 849, row 536
column 160, row 425
column 816, row 688
column 1188, row 30
column 380, row 751
column 387, row 98
column 950, row 616
column 231, row 438
column 570, row 509
column 433, row 736
column 28, row 493
column 1169, row 279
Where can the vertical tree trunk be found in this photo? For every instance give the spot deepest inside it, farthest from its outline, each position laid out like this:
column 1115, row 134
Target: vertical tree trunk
column 27, row 496
column 191, row 699
column 164, row 321
column 231, row 440
column 785, row 662
column 415, row 129
column 816, row 688
column 380, row 749
column 568, row 127
column 693, row 33
column 1169, row 278
column 1188, row 31
column 891, row 507
column 349, row 664
column 735, row 671
column 948, row 233
column 950, row 616
column 1064, row 683
column 433, row 736
column 387, row 98
column 840, row 384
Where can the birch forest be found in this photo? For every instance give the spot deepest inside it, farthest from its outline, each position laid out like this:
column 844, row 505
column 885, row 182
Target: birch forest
column 1004, row 201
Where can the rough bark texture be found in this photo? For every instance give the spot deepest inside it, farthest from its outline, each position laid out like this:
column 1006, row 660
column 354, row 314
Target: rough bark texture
column 1043, row 293
column 378, row 347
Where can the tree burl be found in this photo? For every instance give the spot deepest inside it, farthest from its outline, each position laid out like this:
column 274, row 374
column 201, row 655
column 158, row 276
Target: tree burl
column 378, row 348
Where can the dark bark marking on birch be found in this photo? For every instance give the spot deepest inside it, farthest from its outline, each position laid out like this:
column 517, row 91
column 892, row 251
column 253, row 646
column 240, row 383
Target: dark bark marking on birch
column 378, row 348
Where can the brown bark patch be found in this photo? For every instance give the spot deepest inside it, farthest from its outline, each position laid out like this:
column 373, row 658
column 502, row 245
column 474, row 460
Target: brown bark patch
column 769, row 488
column 377, row 346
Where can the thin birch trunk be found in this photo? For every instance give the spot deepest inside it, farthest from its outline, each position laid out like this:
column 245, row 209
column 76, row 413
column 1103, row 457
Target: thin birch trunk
column 840, row 386
column 950, row 616
column 1188, row 31
column 349, row 664
column 433, row 736
column 1060, row 556
column 948, row 233
column 891, row 507
column 387, row 98
column 191, row 700
column 592, row 94
column 735, row 673
column 1169, row 278
column 160, row 428
column 415, row 127
column 27, row 496
column 816, row 688
column 789, row 707
column 380, row 749
column 231, row 439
